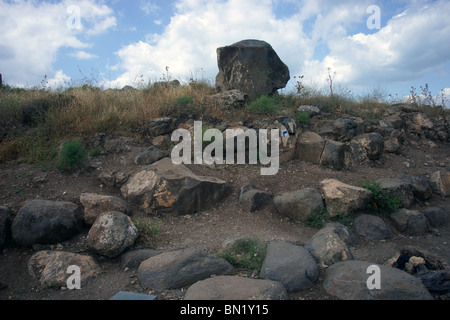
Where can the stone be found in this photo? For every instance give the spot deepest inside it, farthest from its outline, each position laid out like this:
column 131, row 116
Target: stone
column 112, row 233
column 150, row 156
column 345, row 129
column 310, row 147
column 230, row 98
column 162, row 142
column 342, row 199
column 435, row 216
column 372, row 228
column 236, row 288
column 166, row 187
column 46, row 222
column 288, row 123
column 113, row 178
column 300, row 204
column 347, row 280
column 5, row 226
column 329, row 244
column 291, row 265
column 398, row 188
column 50, row 268
column 333, row 155
column 391, row 145
column 95, row 204
column 311, row 110
column 250, row 66
column 440, row 180
column 366, row 147
column 422, row 188
column 410, row 222
column 160, row 126
column 252, row 199
column 180, row 268
column 132, row 259
column 118, row 144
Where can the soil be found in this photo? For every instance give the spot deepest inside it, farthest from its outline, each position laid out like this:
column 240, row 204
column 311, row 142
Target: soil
column 207, row 230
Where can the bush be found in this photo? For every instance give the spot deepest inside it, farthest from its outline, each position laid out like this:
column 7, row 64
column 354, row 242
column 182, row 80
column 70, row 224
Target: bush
column 246, row 254
column 183, row 101
column 148, row 231
column 303, row 118
column 382, row 201
column 71, row 156
column 264, row 105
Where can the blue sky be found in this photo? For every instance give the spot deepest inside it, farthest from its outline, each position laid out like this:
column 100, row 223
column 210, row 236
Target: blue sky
column 117, row 42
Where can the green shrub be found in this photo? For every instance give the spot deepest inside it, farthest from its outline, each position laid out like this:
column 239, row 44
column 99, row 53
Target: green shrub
column 303, row 118
column 264, row 105
column 71, row 156
column 246, row 254
column 148, row 231
column 382, row 201
column 183, row 101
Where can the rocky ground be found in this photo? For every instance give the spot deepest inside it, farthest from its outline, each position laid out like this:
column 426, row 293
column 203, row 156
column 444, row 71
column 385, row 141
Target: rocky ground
column 209, row 229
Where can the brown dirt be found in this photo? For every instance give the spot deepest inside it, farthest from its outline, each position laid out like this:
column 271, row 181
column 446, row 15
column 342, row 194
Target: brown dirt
column 206, row 230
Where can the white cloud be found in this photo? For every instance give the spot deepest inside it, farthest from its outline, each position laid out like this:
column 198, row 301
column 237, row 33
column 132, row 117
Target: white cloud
column 83, row 55
column 60, row 80
column 149, row 7
column 33, row 32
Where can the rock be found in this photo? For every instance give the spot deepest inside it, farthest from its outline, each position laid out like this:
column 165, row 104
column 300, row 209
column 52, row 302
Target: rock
column 291, row 265
column 46, row 222
column 288, row 123
column 391, row 145
column 333, row 155
column 311, row 110
column 435, row 216
column 300, row 204
column 114, row 178
column 150, row 156
column 162, row 142
column 112, row 233
column 180, row 268
column 236, row 288
column 95, row 204
column 252, row 199
column 342, row 199
column 347, row 280
column 230, row 98
column 5, row 226
column 132, row 259
column 366, row 147
column 410, row 222
column 440, row 180
column 118, row 144
column 50, row 268
column 165, row 187
column 251, row 66
column 345, row 129
column 422, row 188
column 160, row 126
column 372, row 228
column 398, row 188
column 329, row 244
column 310, row 147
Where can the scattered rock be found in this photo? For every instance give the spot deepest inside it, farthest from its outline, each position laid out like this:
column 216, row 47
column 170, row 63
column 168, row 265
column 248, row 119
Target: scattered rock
column 334, row 155
column 114, row 178
column 118, row 144
column 391, row 145
column 162, row 142
column 236, row 288
column 372, row 228
column 345, row 129
column 150, row 156
column 132, row 259
column 251, row 66
column 179, row 268
column 291, row 265
column 252, row 199
column 410, row 222
column 422, row 188
column 311, row 110
column 165, row 187
column 50, row 268
column 440, row 180
column 398, row 188
column 329, row 244
column 341, row 199
column 300, row 204
column 160, row 126
column 436, row 217
column 347, row 280
column 112, row 233
column 46, row 222
column 230, row 98
column 310, row 147
column 95, row 204
column 366, row 147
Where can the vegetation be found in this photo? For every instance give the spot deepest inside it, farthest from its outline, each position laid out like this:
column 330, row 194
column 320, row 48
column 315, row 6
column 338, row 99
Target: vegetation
column 71, row 156
column 246, row 254
column 320, row 218
column 383, row 201
column 148, row 229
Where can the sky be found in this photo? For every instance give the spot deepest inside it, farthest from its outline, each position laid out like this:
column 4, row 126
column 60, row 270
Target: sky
column 366, row 46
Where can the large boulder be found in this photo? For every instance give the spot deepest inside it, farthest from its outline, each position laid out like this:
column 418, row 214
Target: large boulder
column 410, row 222
column 166, row 187
column 347, row 280
column 342, row 199
column 112, row 233
column 46, row 222
column 50, row 268
column 372, row 228
column 300, row 204
column 5, row 226
column 251, row 66
column 95, row 204
column 179, row 268
column 252, row 199
column 310, row 147
column 398, row 188
column 366, row 147
column 236, row 288
column 440, row 180
column 291, row 265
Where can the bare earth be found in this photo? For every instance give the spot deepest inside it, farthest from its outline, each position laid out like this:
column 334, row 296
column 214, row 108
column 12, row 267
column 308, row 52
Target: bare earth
column 209, row 229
